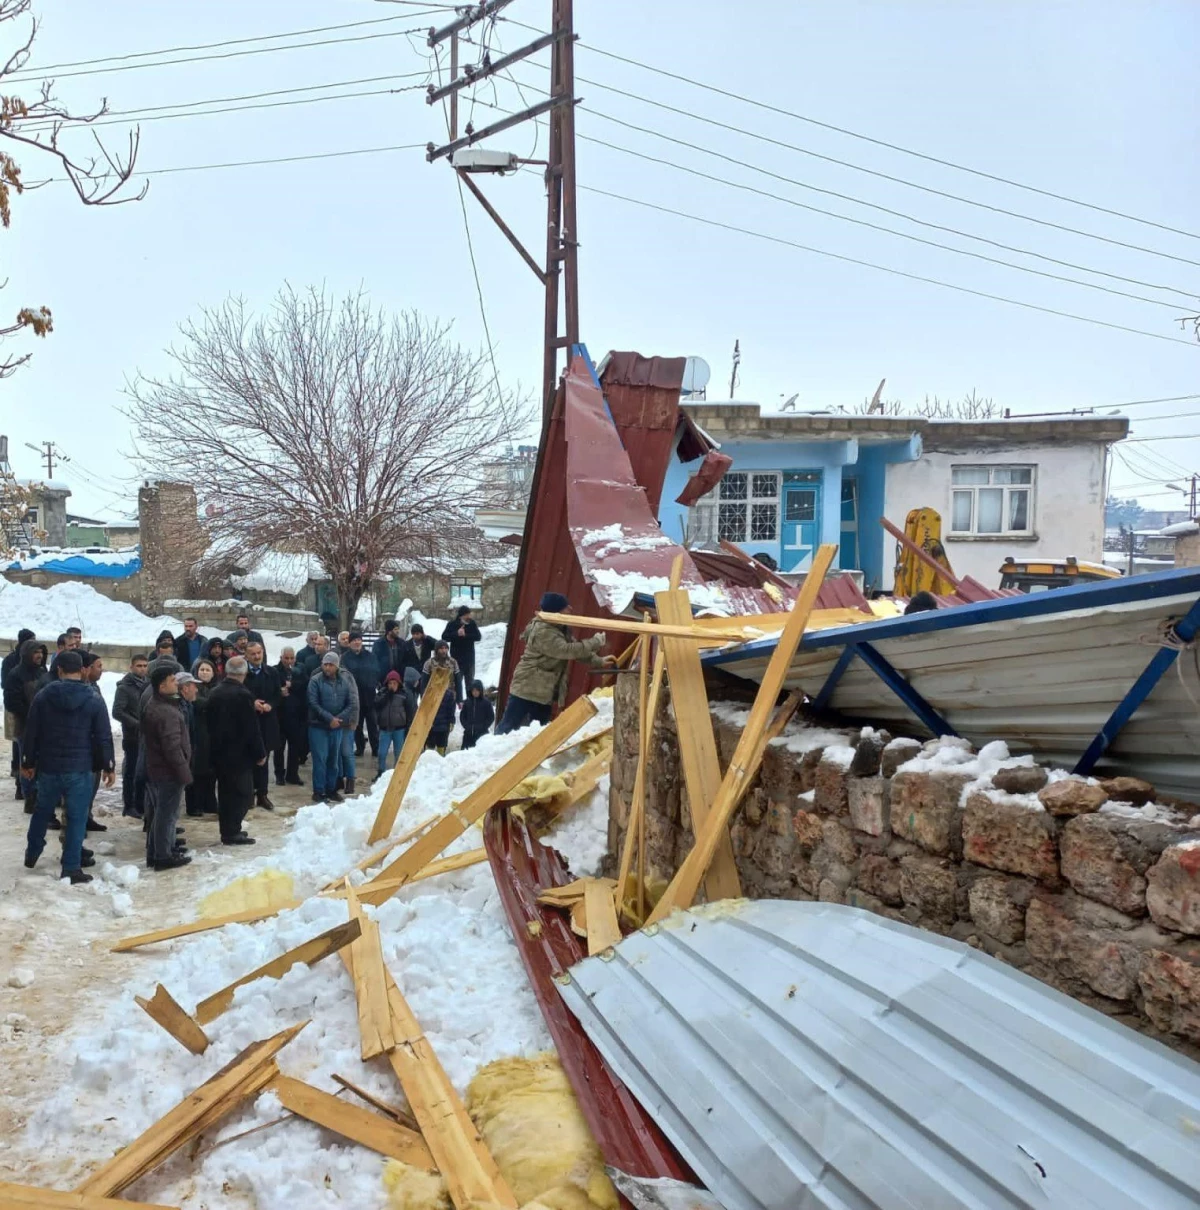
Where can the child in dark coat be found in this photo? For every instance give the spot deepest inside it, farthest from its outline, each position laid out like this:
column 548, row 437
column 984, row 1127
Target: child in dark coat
column 476, row 715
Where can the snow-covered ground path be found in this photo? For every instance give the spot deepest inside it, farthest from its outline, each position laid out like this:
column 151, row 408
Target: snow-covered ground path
column 113, row 1072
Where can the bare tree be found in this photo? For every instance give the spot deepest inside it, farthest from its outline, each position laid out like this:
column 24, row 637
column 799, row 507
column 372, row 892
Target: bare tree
column 971, row 406
column 38, row 125
column 326, row 427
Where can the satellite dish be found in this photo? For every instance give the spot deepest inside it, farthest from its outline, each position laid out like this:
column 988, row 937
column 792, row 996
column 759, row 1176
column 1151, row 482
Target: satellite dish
column 696, row 373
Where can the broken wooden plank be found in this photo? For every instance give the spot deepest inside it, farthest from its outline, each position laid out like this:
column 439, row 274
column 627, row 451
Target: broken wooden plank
column 308, row 952
column 25, row 1197
column 683, row 887
column 603, row 930
column 361, row 1126
column 707, row 636
column 377, row 855
column 381, row 888
column 572, row 892
column 468, row 812
column 697, row 744
column 400, row 1114
column 370, row 989
column 471, row 1174
column 780, row 719
column 243, row 1077
column 163, row 1008
column 414, row 745
column 201, row 926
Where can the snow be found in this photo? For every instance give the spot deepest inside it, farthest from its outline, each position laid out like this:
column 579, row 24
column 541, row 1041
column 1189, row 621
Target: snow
column 489, row 651
column 49, row 611
column 797, row 738
column 594, row 537
column 20, row 976
column 1152, row 812
column 613, row 540
column 616, row 589
column 279, row 572
column 45, row 555
column 446, row 940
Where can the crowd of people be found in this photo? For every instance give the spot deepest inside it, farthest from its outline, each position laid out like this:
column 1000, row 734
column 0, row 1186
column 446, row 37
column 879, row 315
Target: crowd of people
column 201, row 718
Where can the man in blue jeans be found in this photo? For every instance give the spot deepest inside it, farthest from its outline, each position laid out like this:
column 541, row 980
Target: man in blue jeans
column 331, row 708
column 67, row 729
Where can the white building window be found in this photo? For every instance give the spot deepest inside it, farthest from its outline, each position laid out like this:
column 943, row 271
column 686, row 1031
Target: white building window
column 464, row 590
column 987, row 500
column 743, row 507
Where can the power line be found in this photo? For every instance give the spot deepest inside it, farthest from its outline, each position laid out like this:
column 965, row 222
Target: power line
column 932, row 159
column 234, row 54
column 933, row 281
column 1165, row 437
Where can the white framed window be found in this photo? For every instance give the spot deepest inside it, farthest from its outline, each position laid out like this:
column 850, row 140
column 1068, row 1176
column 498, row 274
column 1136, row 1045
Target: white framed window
column 466, row 590
column 743, row 507
column 986, row 500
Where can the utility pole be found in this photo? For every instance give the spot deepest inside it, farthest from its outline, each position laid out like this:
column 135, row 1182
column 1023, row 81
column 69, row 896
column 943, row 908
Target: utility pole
column 737, row 361
column 49, row 451
column 560, row 274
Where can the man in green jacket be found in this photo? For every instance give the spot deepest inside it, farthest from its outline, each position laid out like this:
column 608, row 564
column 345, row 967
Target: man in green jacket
column 540, row 678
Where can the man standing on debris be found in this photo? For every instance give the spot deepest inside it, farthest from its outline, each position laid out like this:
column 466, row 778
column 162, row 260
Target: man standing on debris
column 361, row 665
column 462, row 634
column 235, row 749
column 264, row 688
column 168, row 746
column 540, row 678
column 126, row 711
column 330, row 713
column 65, row 727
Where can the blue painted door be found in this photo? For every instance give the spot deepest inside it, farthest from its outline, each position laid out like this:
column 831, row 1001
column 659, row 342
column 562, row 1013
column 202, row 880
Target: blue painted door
column 848, row 553
column 801, row 519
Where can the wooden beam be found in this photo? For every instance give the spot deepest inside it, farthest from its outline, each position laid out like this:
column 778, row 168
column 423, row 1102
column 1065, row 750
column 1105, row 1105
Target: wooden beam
column 375, row 856
column 468, row 812
column 370, row 986
column 686, row 882
column 603, row 930
column 371, row 1130
column 697, row 745
column 921, row 554
column 708, row 636
column 393, row 1111
column 163, row 1009
column 635, row 831
column 780, row 719
column 244, row 1077
column 572, row 892
column 382, row 887
column 414, row 745
column 201, row 926
column 25, row 1197
column 309, row 953
column 761, row 569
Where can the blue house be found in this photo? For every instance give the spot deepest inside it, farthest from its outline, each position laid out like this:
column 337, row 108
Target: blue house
column 797, row 481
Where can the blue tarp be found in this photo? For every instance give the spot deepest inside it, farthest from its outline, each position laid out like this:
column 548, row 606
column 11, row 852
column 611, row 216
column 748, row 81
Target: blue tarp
column 82, row 566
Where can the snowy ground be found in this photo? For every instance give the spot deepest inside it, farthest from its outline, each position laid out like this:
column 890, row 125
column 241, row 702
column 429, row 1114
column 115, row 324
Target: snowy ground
column 446, row 941
column 49, row 611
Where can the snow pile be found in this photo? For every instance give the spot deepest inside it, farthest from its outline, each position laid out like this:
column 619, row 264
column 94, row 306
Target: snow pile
column 955, row 754
column 615, row 590
column 279, row 572
column 49, row 611
column 613, row 540
column 446, row 940
column 797, row 738
column 489, row 651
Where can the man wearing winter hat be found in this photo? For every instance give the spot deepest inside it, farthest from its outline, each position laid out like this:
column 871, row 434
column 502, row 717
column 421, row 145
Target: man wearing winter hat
column 462, row 634
column 540, row 678
column 235, row 749
column 331, row 711
column 66, row 724
column 7, row 665
column 168, row 747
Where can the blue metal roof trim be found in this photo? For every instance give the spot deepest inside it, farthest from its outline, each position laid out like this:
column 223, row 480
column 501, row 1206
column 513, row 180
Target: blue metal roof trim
column 807, row 1056
column 1176, row 582
column 580, row 350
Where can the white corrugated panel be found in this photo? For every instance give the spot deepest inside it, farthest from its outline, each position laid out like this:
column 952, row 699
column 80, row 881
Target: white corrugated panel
column 806, row 1055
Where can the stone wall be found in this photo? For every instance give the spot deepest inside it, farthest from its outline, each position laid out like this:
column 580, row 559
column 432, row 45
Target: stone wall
column 172, row 542
column 1092, row 888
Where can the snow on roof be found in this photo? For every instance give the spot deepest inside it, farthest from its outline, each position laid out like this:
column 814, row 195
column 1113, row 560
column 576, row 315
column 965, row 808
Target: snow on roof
column 45, row 557
column 279, row 572
column 49, row 485
column 1179, row 529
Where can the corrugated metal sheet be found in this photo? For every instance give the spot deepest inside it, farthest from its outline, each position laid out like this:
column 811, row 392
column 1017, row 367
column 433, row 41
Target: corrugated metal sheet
column 523, row 867
column 806, row 1055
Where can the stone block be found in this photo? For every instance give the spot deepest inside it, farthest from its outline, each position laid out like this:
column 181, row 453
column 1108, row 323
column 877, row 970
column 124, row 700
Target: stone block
column 1132, row 790
column 880, row 877
column 1072, row 796
column 755, row 806
column 1170, row 986
column 775, row 852
column 806, row 827
column 830, row 892
column 780, row 772
column 854, row 897
column 839, row 840
column 868, row 752
column 1173, row 890
column 897, row 753
column 929, row 885
column 997, row 906
column 1011, row 835
column 1020, row 779
column 1068, row 935
column 831, row 777
column 925, row 809
column 806, row 773
column 1106, row 856
column 867, row 799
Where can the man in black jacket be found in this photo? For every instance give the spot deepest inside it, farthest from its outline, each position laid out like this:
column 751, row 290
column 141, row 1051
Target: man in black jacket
column 166, row 740
column 243, row 625
column 462, row 634
column 235, row 749
column 190, row 645
column 417, row 650
column 126, row 710
column 66, row 729
column 360, row 664
column 9, row 662
column 21, row 686
column 293, row 718
column 389, row 650
column 264, row 687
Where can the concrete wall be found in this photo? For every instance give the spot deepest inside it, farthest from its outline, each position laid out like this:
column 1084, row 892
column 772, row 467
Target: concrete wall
column 1101, row 904
column 1068, row 503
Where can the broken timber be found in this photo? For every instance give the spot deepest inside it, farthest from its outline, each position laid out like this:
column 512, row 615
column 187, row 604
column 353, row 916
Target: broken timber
column 26, row 1197
column 308, row 952
column 361, row 1126
column 201, row 926
column 242, row 1078
column 708, row 636
column 603, row 931
column 370, row 988
column 468, row 812
column 377, row 855
column 582, row 781
column 748, row 754
column 697, row 745
column 163, row 1008
column 393, row 1111
column 382, row 887
column 414, row 745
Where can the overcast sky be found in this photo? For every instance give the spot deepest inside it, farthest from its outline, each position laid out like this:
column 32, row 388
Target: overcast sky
column 1095, row 100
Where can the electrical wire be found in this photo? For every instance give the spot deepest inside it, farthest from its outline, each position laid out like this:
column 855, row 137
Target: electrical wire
column 842, row 130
